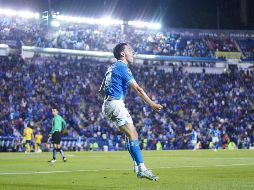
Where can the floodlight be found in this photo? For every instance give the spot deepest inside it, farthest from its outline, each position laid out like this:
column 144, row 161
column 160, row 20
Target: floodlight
column 9, row 12
column 36, row 15
column 108, row 21
column 142, row 24
column 55, row 23
column 27, row 14
column 102, row 21
column 22, row 14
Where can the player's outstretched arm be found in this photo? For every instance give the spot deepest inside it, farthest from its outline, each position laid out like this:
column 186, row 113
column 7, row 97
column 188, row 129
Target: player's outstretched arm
column 141, row 93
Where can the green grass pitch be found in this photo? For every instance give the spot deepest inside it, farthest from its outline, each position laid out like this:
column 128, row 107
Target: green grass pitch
column 178, row 170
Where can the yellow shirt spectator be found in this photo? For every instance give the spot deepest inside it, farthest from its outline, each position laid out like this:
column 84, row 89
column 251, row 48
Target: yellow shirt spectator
column 38, row 137
column 28, row 133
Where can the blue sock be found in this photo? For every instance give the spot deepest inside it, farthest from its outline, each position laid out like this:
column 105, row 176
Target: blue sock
column 135, row 151
column 128, row 148
column 217, row 146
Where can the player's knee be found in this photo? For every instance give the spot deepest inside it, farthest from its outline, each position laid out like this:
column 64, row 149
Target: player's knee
column 134, row 135
column 130, row 131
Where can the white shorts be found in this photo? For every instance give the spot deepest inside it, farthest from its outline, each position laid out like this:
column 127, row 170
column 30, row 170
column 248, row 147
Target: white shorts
column 215, row 139
column 115, row 111
column 193, row 142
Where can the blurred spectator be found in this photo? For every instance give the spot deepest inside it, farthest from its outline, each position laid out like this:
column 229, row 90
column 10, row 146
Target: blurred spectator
column 190, row 100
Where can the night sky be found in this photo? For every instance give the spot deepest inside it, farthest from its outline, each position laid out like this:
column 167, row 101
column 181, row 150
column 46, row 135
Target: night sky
column 171, row 13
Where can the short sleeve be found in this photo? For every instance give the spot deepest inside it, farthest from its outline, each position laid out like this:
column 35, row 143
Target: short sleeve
column 127, row 75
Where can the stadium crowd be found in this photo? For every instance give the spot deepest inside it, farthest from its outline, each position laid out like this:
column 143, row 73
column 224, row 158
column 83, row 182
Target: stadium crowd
column 191, row 101
column 101, row 38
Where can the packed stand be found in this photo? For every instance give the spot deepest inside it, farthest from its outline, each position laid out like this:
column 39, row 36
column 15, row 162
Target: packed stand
column 101, row 38
column 227, row 45
column 191, row 101
column 247, row 47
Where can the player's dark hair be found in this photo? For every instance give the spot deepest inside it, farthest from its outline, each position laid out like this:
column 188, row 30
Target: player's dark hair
column 53, row 106
column 118, row 49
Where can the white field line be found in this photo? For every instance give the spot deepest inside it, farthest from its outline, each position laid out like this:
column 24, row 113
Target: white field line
column 74, row 171
column 103, row 156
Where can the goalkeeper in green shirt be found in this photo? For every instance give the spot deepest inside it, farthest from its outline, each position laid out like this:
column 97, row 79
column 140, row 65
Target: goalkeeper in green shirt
column 58, row 124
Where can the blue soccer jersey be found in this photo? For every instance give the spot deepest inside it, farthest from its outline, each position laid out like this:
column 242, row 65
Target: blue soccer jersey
column 117, row 79
column 194, row 135
column 215, row 133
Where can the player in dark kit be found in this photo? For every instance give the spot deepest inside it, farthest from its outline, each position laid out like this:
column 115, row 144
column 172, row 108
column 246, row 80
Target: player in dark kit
column 58, row 124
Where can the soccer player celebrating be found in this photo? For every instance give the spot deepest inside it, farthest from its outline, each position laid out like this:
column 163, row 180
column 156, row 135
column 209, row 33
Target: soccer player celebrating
column 117, row 78
column 58, row 123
